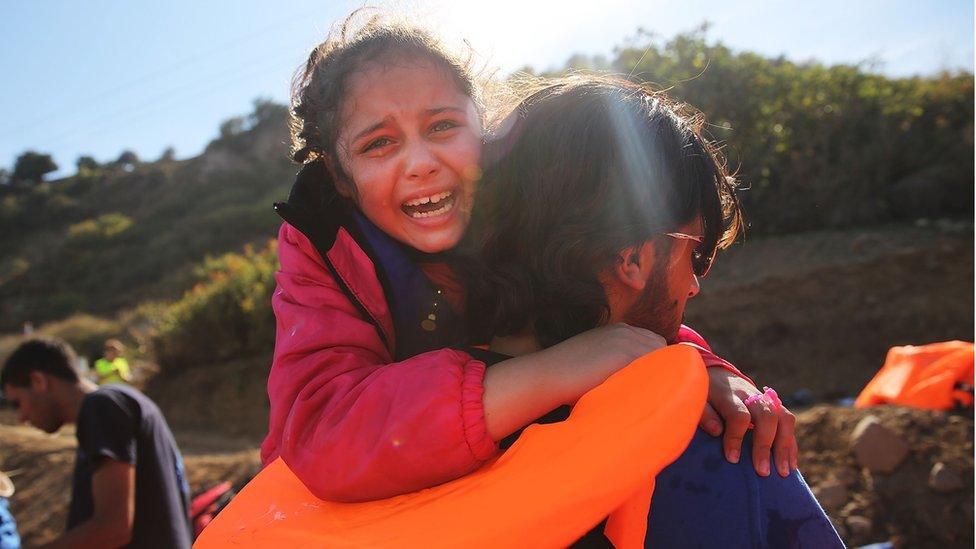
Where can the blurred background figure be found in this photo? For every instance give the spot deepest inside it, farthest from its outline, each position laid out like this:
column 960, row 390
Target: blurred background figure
column 112, row 367
column 129, row 485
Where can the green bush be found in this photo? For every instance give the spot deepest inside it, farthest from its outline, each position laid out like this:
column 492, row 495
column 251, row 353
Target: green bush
column 226, row 315
column 102, row 227
column 820, row 146
column 13, row 267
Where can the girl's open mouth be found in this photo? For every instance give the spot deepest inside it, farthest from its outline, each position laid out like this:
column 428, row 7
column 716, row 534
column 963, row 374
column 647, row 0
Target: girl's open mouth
column 429, row 206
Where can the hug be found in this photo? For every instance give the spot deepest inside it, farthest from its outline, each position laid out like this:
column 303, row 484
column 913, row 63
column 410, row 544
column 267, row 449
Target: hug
column 453, row 270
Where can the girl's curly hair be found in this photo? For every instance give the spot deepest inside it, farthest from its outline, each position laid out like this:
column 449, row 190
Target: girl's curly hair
column 367, row 35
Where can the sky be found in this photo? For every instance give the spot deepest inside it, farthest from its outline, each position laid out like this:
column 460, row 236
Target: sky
column 98, row 77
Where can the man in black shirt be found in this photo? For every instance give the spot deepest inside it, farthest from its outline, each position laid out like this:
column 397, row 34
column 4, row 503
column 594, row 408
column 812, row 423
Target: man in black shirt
column 129, row 487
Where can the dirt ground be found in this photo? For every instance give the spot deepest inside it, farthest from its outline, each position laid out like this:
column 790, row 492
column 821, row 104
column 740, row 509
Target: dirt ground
column 819, row 311
column 814, row 312
column 899, row 507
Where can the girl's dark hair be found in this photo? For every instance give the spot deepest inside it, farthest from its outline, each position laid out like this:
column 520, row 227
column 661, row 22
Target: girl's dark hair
column 318, row 89
column 583, row 168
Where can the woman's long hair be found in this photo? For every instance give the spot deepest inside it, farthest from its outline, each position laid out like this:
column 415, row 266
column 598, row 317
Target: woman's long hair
column 583, row 168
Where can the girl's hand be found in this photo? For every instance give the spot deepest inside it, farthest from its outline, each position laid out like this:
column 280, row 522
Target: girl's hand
column 774, row 430
column 584, row 361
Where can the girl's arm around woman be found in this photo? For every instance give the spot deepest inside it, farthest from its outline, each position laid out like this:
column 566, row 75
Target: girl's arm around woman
column 349, row 421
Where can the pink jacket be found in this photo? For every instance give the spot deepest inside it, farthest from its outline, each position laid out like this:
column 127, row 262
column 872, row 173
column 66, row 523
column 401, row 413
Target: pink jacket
column 352, row 424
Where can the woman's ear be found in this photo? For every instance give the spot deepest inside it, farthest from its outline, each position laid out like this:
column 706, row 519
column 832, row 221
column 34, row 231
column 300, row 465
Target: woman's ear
column 634, row 266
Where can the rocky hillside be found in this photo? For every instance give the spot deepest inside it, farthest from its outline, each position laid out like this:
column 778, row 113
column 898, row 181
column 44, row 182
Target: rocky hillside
column 115, row 236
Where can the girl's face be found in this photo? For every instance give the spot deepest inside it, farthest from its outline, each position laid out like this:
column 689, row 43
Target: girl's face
column 410, row 143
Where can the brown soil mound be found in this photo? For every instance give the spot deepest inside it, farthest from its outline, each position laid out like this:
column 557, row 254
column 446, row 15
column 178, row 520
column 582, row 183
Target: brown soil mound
column 901, row 506
column 819, row 311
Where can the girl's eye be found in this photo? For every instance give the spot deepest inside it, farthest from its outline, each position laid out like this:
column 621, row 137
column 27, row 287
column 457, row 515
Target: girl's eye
column 443, row 125
column 377, row 143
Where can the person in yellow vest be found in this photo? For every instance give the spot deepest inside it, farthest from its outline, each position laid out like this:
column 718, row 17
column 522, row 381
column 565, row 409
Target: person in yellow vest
column 112, row 367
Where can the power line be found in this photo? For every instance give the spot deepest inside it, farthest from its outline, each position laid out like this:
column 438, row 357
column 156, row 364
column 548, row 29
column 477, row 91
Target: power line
column 150, row 108
column 165, row 70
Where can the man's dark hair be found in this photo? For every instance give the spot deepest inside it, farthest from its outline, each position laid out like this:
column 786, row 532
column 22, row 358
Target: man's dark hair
column 582, row 169
column 50, row 356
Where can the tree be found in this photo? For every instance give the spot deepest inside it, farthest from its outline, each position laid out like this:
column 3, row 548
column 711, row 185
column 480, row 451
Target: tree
column 128, row 160
column 265, row 110
column 232, row 126
column 32, row 166
column 168, row 155
column 86, row 164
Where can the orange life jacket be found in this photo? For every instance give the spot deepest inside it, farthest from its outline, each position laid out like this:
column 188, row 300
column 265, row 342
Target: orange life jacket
column 551, row 487
column 938, row 376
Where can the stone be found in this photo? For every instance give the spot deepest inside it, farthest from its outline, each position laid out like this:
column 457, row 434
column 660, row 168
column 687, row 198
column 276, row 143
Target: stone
column 877, row 447
column 859, row 527
column 943, row 479
column 846, row 476
column 832, row 495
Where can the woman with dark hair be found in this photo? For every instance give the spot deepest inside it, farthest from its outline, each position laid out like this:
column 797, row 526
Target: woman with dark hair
column 602, row 202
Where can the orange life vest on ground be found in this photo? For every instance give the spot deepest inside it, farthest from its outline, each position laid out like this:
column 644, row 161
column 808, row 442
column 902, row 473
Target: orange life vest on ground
column 938, row 376
column 551, row 487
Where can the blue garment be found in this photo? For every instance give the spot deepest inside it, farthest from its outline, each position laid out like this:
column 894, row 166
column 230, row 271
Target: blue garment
column 702, row 500
column 9, row 539
column 423, row 319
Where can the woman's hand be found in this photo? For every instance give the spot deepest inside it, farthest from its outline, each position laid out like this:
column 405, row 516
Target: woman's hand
column 774, row 429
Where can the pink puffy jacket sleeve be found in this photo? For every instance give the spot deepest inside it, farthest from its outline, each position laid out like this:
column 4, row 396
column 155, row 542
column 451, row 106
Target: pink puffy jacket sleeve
column 687, row 336
column 352, row 424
